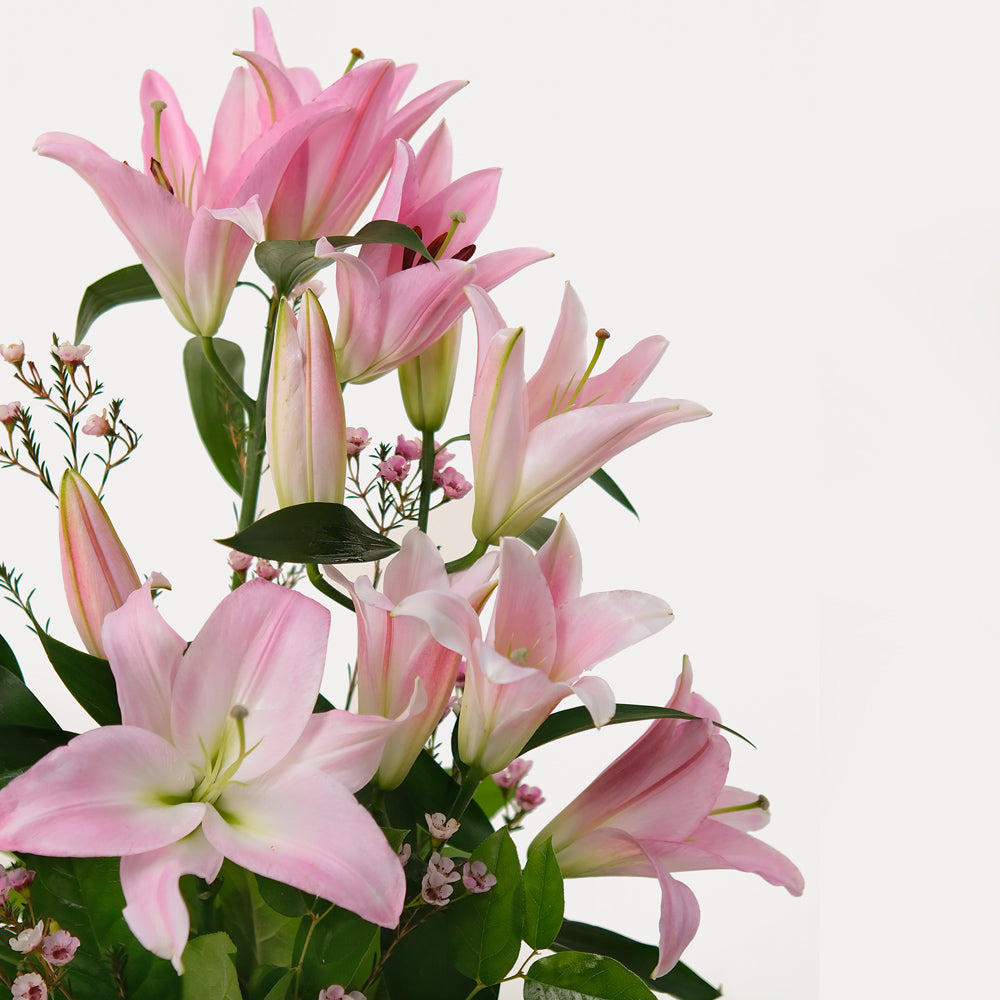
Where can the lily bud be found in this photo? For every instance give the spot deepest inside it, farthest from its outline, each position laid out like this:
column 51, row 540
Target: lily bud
column 97, row 572
column 306, row 428
column 426, row 382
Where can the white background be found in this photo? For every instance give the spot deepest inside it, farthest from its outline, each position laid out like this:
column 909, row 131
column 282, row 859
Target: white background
column 802, row 197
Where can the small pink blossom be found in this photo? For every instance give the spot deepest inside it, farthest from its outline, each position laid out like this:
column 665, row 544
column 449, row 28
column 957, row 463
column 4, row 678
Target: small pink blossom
column 97, row 426
column 439, row 826
column 435, row 893
column 528, row 797
column 404, row 854
column 476, row 877
column 266, row 570
column 337, row 993
column 18, row 878
column 59, row 947
column 441, row 457
column 29, row 939
column 14, row 353
column 454, row 484
column 72, row 355
column 441, row 870
column 9, row 412
column 512, row 773
column 239, row 562
column 394, row 469
column 358, row 439
column 410, row 448
column 30, row 986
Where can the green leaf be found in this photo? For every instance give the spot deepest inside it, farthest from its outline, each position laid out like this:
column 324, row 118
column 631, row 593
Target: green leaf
column 284, row 899
column 485, row 927
column 130, row 284
column 538, row 534
column 282, row 986
column 88, row 678
column 578, row 720
column 291, row 262
column 218, row 415
column 428, row 788
column 319, row 533
column 19, row 707
column 8, row 660
column 573, row 975
column 22, row 746
column 209, row 972
column 543, row 896
column 613, row 490
column 342, row 949
column 489, row 797
column 679, row 982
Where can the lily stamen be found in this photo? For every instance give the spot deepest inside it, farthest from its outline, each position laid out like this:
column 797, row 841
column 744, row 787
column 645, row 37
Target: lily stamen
column 760, row 802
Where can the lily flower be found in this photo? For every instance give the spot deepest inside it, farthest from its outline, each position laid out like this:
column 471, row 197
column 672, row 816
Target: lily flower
column 306, row 427
column 98, row 574
column 394, row 305
column 398, row 653
column 219, row 755
column 533, row 442
column 544, row 635
column 663, row 807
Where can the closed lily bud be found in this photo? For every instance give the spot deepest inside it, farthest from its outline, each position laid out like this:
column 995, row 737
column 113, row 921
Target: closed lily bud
column 97, row 572
column 306, row 428
column 426, row 382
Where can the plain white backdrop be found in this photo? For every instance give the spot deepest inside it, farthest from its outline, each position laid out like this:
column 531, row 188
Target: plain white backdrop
column 803, row 198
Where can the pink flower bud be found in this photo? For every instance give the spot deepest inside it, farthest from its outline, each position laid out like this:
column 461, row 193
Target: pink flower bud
column 59, row 947
column 18, row 878
column 454, row 484
column 9, row 412
column 358, row 439
column 404, row 854
column 29, row 939
column 71, row 355
column 29, row 986
column 239, row 562
column 394, row 469
column 410, row 448
column 528, row 797
column 476, row 877
column 266, row 570
column 441, row 457
column 97, row 426
column 512, row 773
column 439, row 827
column 14, row 353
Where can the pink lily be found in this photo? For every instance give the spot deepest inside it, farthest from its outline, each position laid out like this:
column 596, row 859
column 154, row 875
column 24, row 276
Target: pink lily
column 397, row 654
column 219, row 755
column 663, row 807
column 394, row 305
column 285, row 161
column 542, row 638
column 533, row 442
column 306, row 428
column 98, row 574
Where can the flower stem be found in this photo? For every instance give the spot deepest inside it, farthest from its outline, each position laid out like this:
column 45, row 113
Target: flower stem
column 469, row 785
column 317, row 579
column 469, row 558
column 427, row 456
column 223, row 374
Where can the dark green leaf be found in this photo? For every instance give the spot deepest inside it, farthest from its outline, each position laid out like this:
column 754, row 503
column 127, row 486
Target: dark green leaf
column 342, row 950
column 209, row 972
column 312, row 533
column 88, row 678
column 292, row 262
column 267, row 982
column 485, row 927
column 538, row 534
column 679, row 982
column 613, row 490
column 577, row 720
column 543, row 896
column 8, row 661
column 22, row 746
column 218, row 415
column 19, row 707
column 130, row 284
column 284, row 899
column 428, row 788
column 489, row 797
column 573, row 975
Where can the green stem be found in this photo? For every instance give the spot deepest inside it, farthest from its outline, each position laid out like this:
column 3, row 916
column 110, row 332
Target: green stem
column 223, row 374
column 427, row 456
column 469, row 558
column 317, row 579
column 469, row 785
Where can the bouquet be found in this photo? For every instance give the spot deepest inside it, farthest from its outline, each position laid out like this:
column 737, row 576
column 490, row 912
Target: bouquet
column 225, row 830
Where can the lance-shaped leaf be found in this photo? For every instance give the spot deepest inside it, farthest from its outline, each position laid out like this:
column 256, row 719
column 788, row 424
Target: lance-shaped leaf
column 538, row 534
column 19, row 707
column 543, row 895
column 292, row 262
column 8, row 661
column 680, row 981
column 613, row 490
column 573, row 975
column 322, row 533
column 129, row 284
column 87, row 678
column 218, row 414
column 22, row 746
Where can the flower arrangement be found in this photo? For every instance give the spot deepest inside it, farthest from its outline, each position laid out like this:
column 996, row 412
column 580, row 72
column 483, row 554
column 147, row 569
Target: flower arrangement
column 224, row 830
